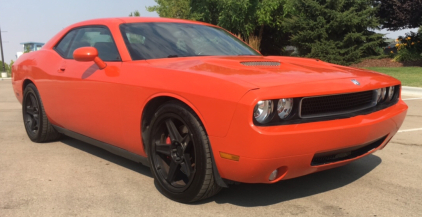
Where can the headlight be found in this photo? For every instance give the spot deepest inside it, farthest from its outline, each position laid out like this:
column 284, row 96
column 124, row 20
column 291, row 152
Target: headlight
column 284, row 107
column 390, row 93
column 263, row 111
column 381, row 94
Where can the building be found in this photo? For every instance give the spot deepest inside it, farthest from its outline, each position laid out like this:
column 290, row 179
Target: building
column 29, row 47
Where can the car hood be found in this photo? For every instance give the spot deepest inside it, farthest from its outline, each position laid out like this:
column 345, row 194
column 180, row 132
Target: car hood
column 271, row 71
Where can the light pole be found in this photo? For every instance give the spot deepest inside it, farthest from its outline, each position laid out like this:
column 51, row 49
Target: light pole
column 2, row 57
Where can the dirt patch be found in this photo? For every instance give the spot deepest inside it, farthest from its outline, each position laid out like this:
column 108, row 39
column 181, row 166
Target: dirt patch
column 387, row 62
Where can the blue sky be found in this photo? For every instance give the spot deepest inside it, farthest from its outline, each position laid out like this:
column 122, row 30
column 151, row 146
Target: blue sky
column 39, row 20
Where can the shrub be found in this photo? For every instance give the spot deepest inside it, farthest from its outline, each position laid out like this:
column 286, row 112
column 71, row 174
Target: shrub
column 407, row 55
column 8, row 68
column 253, row 41
column 409, row 47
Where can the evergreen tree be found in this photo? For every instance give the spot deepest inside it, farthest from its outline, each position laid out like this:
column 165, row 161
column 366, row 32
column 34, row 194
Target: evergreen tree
column 336, row 31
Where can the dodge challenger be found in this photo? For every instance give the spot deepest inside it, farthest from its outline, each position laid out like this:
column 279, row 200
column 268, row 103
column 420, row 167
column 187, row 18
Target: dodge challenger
column 200, row 107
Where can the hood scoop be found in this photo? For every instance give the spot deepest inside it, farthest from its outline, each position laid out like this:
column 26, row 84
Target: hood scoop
column 260, row 63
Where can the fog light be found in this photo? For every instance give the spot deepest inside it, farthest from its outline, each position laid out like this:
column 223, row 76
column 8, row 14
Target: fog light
column 273, row 175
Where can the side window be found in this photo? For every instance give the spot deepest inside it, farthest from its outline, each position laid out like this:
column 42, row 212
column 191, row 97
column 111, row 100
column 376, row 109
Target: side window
column 135, row 38
column 98, row 37
column 63, row 46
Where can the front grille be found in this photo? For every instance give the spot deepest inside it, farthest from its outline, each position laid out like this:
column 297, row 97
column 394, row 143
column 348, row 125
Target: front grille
column 320, row 106
column 345, row 154
column 261, row 63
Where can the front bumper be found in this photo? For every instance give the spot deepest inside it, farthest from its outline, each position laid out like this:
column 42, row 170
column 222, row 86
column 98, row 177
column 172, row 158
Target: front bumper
column 291, row 148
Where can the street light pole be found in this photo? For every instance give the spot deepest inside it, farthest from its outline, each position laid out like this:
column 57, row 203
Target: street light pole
column 2, row 57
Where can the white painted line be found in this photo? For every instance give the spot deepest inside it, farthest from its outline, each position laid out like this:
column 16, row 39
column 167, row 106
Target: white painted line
column 412, row 99
column 410, row 130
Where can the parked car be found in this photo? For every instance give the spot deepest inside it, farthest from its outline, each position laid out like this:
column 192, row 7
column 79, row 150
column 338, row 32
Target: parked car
column 201, row 107
column 390, row 48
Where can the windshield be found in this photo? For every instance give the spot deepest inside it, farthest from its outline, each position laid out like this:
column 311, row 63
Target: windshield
column 166, row 40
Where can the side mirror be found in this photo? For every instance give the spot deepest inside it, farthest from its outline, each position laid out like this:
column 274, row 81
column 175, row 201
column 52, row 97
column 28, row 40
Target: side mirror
column 87, row 54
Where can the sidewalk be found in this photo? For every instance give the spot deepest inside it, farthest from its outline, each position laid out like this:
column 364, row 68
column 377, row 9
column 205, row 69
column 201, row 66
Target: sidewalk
column 411, row 91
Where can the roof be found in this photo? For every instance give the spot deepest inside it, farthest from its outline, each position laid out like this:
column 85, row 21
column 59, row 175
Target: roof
column 137, row 20
column 115, row 22
column 389, row 40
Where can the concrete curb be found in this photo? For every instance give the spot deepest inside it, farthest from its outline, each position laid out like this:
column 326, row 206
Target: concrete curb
column 411, row 91
column 1, row 79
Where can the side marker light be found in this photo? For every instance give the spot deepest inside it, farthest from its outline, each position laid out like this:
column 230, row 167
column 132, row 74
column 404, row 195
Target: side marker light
column 229, row 156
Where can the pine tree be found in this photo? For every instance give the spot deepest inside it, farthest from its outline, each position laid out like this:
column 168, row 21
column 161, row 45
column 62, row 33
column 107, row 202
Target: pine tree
column 336, row 31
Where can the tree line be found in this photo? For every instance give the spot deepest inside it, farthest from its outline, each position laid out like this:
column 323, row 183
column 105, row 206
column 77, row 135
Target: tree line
column 337, row 31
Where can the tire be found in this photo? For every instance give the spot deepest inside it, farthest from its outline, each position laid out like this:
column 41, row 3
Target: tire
column 36, row 123
column 178, row 142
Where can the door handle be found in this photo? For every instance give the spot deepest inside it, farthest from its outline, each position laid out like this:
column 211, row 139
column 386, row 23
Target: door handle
column 62, row 69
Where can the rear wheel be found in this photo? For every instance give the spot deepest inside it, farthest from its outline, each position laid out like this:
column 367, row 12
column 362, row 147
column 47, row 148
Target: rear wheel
column 37, row 126
column 179, row 154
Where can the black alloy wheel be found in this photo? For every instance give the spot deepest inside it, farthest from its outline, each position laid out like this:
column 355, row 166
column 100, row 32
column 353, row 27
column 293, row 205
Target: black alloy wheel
column 31, row 114
column 37, row 126
column 174, row 156
column 179, row 154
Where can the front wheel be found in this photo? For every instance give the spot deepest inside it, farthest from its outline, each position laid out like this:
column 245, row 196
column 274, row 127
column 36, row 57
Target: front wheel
column 179, row 154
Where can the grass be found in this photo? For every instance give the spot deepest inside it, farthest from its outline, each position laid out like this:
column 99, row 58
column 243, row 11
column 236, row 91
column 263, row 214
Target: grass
column 409, row 76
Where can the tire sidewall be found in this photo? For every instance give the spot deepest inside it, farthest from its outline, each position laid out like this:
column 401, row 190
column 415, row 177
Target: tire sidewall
column 199, row 140
column 31, row 89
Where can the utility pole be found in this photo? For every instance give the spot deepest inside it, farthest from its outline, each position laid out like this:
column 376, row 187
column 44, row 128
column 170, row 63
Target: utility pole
column 2, row 57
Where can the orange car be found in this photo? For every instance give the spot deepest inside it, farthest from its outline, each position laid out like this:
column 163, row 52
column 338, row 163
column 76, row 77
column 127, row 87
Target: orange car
column 199, row 106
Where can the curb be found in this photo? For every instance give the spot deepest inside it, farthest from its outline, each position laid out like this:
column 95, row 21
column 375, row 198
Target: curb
column 411, row 91
column 1, row 79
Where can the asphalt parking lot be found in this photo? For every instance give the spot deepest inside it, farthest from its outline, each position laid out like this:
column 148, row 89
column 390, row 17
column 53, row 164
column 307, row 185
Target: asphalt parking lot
column 72, row 178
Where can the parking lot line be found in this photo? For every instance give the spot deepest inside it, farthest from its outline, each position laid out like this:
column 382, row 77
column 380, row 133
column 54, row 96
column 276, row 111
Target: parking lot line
column 412, row 99
column 409, row 130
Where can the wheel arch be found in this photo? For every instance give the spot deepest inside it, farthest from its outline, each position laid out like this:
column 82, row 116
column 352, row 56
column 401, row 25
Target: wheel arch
column 154, row 102
column 25, row 83
column 19, row 87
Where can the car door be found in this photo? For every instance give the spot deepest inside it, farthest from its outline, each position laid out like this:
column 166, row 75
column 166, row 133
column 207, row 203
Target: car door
column 87, row 98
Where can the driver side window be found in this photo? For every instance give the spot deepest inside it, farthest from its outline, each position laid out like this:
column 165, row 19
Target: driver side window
column 98, row 37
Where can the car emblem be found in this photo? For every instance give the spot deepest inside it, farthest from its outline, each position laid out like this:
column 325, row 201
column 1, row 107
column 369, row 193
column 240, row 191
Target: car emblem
column 355, row 82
